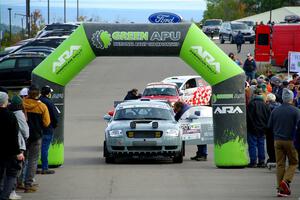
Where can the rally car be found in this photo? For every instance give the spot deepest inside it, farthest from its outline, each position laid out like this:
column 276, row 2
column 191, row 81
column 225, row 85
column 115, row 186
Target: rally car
column 142, row 128
column 197, row 125
column 162, row 91
column 193, row 90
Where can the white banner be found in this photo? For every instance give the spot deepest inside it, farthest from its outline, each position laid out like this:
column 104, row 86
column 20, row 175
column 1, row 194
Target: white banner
column 294, row 61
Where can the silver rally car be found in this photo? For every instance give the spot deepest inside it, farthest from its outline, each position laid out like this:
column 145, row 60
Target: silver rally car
column 143, row 128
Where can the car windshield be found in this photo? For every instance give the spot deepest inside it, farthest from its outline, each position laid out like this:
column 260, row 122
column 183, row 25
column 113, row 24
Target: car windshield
column 68, row 27
column 239, row 26
column 156, row 91
column 142, row 113
column 249, row 23
column 212, row 23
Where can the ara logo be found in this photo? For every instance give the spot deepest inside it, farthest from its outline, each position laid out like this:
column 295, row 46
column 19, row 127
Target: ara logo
column 210, row 61
column 228, row 110
column 64, row 58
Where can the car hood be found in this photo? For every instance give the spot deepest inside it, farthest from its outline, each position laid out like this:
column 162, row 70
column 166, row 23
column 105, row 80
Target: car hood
column 142, row 125
column 160, row 97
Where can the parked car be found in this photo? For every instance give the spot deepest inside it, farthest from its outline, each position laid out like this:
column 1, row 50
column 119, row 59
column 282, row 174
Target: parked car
column 192, row 89
column 15, row 69
column 229, row 30
column 292, row 18
column 162, row 91
column 12, row 48
column 250, row 24
column 37, row 49
column 142, row 128
column 59, row 28
column 211, row 27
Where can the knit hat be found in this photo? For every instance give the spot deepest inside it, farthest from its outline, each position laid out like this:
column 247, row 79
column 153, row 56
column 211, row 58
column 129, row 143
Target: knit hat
column 16, row 100
column 3, row 98
column 287, row 95
column 46, row 90
column 271, row 97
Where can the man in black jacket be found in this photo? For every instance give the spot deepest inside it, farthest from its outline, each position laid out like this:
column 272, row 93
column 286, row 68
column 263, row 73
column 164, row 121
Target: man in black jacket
column 48, row 131
column 258, row 114
column 9, row 148
column 132, row 95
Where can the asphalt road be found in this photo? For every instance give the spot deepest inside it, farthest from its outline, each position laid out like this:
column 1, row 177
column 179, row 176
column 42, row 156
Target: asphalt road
column 85, row 176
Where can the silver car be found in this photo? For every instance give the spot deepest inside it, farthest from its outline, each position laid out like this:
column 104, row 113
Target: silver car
column 142, row 128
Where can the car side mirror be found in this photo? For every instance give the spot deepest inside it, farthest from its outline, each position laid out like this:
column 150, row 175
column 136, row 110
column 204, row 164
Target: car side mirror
column 107, row 118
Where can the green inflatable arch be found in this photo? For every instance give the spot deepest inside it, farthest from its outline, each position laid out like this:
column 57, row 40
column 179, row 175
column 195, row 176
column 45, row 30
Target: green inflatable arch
column 185, row 40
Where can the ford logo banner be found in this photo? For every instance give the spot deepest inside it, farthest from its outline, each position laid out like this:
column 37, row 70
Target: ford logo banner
column 164, row 17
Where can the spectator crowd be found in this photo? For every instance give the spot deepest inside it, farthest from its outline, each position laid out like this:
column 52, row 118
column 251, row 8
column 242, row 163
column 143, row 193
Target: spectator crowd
column 27, row 124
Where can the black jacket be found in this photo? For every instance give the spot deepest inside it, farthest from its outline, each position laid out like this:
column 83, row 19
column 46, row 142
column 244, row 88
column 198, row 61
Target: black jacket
column 52, row 111
column 239, row 38
column 258, row 114
column 9, row 144
column 131, row 96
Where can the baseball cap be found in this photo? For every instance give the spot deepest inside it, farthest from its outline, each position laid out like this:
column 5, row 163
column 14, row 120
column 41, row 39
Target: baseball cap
column 24, row 92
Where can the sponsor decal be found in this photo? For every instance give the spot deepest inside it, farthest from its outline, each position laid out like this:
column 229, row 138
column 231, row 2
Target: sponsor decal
column 164, row 17
column 206, row 58
column 216, row 97
column 228, row 110
column 66, row 58
column 102, row 39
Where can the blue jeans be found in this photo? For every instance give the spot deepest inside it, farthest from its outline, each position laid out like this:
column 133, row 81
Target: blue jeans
column 46, row 141
column 202, row 150
column 256, row 143
column 250, row 75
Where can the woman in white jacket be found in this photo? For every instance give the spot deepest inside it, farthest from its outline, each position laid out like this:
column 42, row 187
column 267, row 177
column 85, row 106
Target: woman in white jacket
column 16, row 107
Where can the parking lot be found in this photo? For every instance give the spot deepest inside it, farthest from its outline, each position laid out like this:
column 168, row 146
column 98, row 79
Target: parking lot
column 85, row 176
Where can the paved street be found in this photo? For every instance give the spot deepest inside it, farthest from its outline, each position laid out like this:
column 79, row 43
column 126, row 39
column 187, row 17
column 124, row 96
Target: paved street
column 85, row 176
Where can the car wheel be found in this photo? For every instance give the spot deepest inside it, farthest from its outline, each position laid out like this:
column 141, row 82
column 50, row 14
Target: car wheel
column 178, row 158
column 231, row 39
column 108, row 157
column 221, row 39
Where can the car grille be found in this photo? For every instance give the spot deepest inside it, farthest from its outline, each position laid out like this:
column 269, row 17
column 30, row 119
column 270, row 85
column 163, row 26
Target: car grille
column 144, row 148
column 144, row 134
column 246, row 33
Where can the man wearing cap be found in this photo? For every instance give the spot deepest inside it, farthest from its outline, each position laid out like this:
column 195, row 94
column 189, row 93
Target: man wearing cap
column 283, row 122
column 46, row 93
column 9, row 147
column 258, row 114
column 38, row 118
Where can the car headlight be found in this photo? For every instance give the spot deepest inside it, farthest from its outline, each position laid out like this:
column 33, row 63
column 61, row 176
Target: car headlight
column 172, row 132
column 115, row 133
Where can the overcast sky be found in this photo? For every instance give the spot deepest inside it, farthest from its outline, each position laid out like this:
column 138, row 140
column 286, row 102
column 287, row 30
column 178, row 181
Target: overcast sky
column 122, row 4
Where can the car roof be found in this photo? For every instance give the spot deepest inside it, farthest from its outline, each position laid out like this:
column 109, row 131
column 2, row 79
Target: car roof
column 180, row 78
column 144, row 102
column 25, row 55
column 161, row 84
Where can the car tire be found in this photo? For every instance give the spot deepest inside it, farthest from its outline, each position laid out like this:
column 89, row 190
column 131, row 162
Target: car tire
column 231, row 39
column 108, row 158
column 178, row 158
column 221, row 39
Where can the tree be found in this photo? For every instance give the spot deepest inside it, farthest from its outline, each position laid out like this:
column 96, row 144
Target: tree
column 37, row 22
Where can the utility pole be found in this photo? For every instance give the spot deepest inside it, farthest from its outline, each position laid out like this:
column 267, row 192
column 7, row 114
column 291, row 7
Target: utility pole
column 48, row 11
column 28, row 17
column 65, row 10
column 9, row 11
column 77, row 10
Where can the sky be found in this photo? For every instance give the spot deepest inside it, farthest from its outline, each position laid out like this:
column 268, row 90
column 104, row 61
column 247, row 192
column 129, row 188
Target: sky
column 106, row 10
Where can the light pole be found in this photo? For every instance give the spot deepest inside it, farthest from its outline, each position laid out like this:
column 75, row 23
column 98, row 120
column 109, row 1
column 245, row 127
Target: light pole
column 65, row 10
column 77, row 10
column 22, row 20
column 48, row 11
column 9, row 11
column 28, row 17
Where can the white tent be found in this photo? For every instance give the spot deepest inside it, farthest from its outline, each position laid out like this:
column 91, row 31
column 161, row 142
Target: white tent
column 277, row 15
